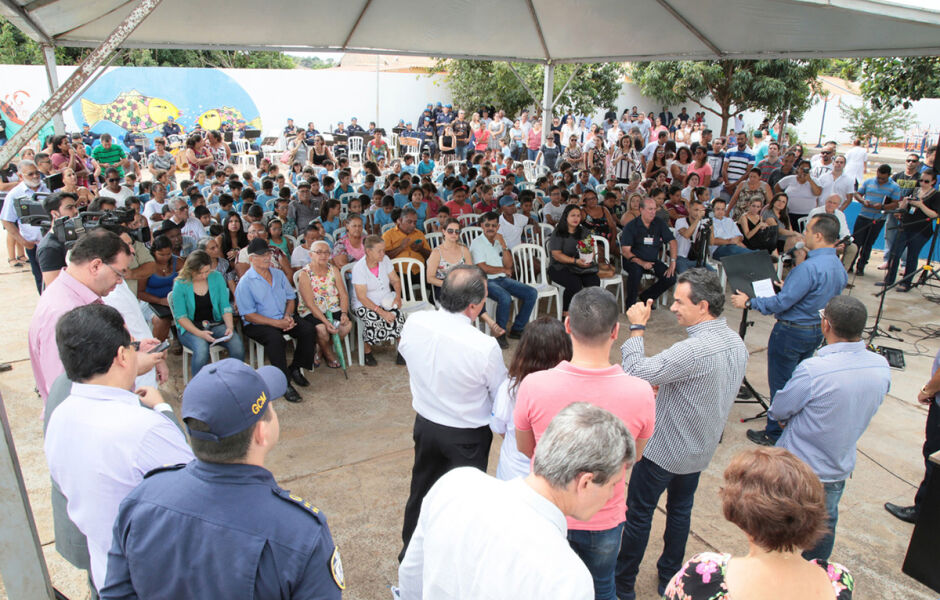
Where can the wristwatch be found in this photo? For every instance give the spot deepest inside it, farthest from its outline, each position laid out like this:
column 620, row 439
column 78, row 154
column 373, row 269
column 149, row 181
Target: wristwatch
column 747, row 303
column 637, row 327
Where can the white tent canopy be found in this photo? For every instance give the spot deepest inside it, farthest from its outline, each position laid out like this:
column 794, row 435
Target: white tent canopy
column 521, row 30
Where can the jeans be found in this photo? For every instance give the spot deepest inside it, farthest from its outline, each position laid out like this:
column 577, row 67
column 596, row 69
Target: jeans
column 683, row 264
column 532, row 154
column 865, row 233
column 200, row 347
column 912, row 242
column 787, row 347
column 823, row 547
column 502, row 290
column 34, row 267
column 892, row 231
column 729, row 250
column 648, row 481
column 462, row 151
column 598, row 550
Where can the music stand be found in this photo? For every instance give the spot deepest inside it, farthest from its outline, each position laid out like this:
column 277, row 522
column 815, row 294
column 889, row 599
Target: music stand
column 742, row 271
column 228, row 136
column 252, row 134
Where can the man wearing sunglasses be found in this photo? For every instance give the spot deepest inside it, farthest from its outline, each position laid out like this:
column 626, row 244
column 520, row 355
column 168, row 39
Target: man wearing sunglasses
column 113, row 187
column 908, row 181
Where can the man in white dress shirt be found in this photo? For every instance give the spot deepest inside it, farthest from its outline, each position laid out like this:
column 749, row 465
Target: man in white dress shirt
column 838, row 181
column 455, row 372
column 479, row 537
column 103, row 438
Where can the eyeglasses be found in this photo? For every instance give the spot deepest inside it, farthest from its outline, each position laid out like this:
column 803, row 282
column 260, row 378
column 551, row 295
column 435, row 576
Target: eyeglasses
column 123, row 276
column 826, row 153
column 452, row 231
column 110, row 180
column 135, row 345
column 925, row 181
column 912, row 160
column 321, row 251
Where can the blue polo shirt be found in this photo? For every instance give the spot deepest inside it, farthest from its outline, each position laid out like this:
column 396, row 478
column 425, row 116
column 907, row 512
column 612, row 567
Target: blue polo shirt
column 254, row 294
column 645, row 242
column 878, row 194
column 425, row 167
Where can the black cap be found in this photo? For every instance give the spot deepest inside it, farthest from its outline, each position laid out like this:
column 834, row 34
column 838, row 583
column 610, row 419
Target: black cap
column 258, row 246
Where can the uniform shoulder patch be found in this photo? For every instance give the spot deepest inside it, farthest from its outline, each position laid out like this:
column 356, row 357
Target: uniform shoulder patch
column 164, row 468
column 295, row 499
column 336, row 569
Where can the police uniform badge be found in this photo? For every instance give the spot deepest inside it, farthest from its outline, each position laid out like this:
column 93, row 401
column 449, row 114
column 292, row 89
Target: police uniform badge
column 336, row 569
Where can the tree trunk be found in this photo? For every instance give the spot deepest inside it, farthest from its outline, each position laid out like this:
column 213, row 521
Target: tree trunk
column 725, row 117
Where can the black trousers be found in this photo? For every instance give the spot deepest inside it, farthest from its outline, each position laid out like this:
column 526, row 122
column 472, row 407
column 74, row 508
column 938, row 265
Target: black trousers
column 34, row 267
column 438, row 449
column 635, row 275
column 572, row 282
column 931, row 445
column 275, row 346
column 865, row 233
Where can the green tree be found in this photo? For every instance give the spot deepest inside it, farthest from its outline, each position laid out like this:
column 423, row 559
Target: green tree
column 314, row 62
column 867, row 121
column 475, row 83
column 769, row 86
column 889, row 82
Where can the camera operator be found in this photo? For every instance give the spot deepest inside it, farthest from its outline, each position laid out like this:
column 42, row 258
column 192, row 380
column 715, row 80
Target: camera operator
column 50, row 253
column 694, row 237
column 25, row 235
column 846, row 247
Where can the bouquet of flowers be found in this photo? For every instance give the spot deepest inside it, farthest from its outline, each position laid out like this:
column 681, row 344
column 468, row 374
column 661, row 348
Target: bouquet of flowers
column 586, row 249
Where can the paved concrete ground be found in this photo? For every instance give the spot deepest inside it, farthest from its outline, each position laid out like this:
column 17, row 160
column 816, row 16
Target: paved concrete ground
column 348, row 450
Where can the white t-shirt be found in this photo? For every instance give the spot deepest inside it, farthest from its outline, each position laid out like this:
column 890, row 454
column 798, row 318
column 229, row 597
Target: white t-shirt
column 843, row 186
column 801, row 196
column 843, row 224
column 479, row 537
column 512, row 232
column 378, row 288
column 855, row 160
column 553, row 211
column 300, row 257
column 118, row 196
column 154, row 208
column 512, row 462
column 683, row 244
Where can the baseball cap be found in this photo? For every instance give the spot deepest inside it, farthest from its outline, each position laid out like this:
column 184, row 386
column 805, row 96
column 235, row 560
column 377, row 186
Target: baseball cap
column 258, row 246
column 506, row 200
column 229, row 397
column 438, row 103
column 448, row 106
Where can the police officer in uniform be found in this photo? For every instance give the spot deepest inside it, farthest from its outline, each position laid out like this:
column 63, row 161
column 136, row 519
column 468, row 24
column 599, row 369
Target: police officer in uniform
column 220, row 526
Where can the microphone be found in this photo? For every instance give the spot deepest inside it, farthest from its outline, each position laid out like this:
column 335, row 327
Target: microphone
column 792, row 251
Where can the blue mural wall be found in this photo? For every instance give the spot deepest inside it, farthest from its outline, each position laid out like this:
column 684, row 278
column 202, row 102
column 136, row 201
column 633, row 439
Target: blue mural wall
column 146, row 97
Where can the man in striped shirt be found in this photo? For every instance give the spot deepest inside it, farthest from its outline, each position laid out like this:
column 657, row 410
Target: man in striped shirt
column 698, row 380
column 738, row 162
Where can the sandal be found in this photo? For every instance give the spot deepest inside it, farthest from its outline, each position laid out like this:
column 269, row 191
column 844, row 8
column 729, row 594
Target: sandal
column 14, row 263
column 316, row 360
column 22, row 258
column 333, row 364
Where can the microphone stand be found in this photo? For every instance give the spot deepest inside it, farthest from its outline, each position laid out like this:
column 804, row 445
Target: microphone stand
column 747, row 394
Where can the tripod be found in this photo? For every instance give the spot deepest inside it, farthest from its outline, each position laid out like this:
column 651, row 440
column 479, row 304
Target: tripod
column 748, row 395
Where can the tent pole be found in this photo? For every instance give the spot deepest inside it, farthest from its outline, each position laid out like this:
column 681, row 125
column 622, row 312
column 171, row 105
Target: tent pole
column 547, row 93
column 48, row 55
column 57, row 100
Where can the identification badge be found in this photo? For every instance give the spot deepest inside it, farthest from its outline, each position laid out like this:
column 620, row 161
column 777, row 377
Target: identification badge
column 648, row 241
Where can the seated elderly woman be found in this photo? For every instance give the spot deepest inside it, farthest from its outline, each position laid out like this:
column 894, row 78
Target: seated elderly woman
column 779, row 504
column 202, row 310
column 324, row 300
column 377, row 298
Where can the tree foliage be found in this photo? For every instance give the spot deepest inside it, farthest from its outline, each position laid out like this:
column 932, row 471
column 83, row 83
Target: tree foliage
column 314, row 62
column 477, row 83
column 768, row 86
column 866, row 121
column 889, row 82
column 16, row 48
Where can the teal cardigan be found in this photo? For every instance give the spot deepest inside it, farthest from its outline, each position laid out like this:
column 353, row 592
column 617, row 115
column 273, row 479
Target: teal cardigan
column 184, row 299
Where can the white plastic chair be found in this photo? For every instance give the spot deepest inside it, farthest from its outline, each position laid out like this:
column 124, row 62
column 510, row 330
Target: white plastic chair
column 429, row 225
column 345, row 198
column 355, row 148
column 468, row 220
column 801, row 223
column 339, row 232
column 414, row 295
column 387, row 226
column 434, row 239
column 529, row 168
column 602, row 248
column 524, row 257
column 346, row 274
column 213, row 350
column 468, row 234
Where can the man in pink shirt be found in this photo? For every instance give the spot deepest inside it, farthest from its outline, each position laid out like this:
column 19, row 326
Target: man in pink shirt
column 97, row 264
column 589, row 377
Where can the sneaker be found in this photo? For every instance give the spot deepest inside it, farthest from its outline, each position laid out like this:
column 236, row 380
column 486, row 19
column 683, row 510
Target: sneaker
column 760, row 437
column 515, row 334
column 369, row 360
column 503, row 342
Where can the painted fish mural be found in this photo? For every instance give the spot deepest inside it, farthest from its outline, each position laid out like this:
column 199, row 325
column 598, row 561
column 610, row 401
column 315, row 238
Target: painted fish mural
column 9, row 113
column 216, row 117
column 130, row 109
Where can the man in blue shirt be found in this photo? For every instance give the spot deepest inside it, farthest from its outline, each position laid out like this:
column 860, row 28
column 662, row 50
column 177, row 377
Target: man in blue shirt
column 267, row 304
column 641, row 243
column 798, row 332
column 233, row 531
column 878, row 195
column 829, row 402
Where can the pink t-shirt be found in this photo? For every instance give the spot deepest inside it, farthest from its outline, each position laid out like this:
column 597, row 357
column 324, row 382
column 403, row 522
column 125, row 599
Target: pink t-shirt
column 543, row 394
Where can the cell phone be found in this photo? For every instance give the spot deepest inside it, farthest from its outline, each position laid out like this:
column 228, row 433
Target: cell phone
column 159, row 347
